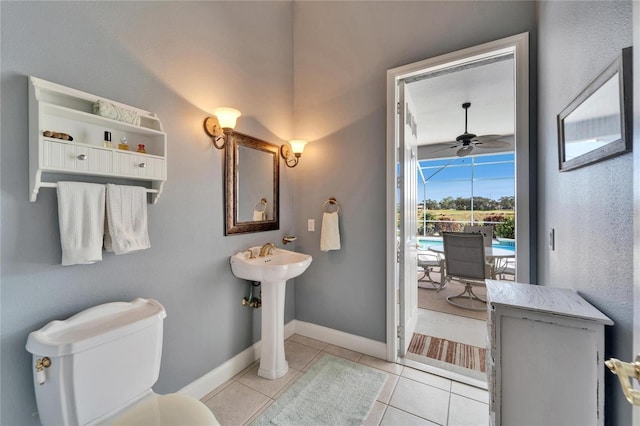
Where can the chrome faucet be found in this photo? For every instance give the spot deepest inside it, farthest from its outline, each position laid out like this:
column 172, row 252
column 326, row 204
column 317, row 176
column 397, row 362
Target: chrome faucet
column 267, row 249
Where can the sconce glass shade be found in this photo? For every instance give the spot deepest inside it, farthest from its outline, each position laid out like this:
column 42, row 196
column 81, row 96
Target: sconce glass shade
column 292, row 152
column 297, row 146
column 227, row 117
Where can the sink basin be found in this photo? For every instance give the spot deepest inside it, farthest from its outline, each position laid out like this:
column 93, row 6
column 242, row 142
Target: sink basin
column 282, row 265
column 272, row 271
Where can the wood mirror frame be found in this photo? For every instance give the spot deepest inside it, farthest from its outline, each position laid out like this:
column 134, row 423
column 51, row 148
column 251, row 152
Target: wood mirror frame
column 234, row 175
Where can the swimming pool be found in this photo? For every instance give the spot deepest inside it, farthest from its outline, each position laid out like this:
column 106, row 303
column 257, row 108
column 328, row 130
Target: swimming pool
column 425, row 242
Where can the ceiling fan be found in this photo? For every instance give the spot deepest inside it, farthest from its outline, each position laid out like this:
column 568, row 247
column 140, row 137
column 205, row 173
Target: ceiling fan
column 467, row 141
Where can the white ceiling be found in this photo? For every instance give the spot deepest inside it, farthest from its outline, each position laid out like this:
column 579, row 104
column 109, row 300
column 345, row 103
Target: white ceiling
column 438, row 102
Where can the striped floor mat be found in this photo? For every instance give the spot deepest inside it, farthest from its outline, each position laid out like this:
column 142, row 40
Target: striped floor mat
column 467, row 356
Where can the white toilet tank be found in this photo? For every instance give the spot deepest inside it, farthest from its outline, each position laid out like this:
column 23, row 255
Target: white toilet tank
column 101, row 360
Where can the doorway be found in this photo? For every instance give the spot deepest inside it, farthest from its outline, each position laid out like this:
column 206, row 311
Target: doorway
column 401, row 247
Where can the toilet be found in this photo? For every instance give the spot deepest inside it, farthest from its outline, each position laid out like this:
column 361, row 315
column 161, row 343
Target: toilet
column 98, row 366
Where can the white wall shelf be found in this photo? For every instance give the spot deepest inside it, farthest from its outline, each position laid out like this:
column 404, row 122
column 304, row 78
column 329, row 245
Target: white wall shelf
column 58, row 108
column 545, row 360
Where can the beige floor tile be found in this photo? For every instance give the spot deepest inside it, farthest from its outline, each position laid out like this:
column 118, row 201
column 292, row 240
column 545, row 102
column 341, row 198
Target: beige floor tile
column 421, row 400
column 299, row 355
column 266, row 386
column 216, row 391
column 380, row 364
column 408, row 396
column 236, row 404
column 375, row 416
column 288, row 385
column 343, row 353
column 427, row 378
column 394, row 417
column 256, row 415
column 313, row 361
column 245, row 370
column 471, row 392
column 388, row 388
column 308, row 341
column 464, row 411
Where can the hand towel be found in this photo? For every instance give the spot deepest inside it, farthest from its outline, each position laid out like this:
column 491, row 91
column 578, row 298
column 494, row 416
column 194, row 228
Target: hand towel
column 126, row 219
column 259, row 215
column 81, row 220
column 330, row 233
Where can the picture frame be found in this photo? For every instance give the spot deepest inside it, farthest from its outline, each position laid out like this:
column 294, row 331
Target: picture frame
column 596, row 125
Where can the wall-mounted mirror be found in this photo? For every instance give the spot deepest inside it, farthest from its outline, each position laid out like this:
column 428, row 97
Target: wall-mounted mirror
column 252, row 178
column 597, row 124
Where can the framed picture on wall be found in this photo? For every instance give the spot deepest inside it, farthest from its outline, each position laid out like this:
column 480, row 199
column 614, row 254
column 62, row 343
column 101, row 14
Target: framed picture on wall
column 596, row 125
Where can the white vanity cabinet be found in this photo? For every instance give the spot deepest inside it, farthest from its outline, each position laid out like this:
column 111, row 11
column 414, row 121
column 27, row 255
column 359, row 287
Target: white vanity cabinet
column 545, row 360
column 56, row 108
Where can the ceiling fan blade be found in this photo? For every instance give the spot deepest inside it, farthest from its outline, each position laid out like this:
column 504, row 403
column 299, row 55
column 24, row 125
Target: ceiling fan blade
column 486, row 138
column 445, row 148
column 493, row 144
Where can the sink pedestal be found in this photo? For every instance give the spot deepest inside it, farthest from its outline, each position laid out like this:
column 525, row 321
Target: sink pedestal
column 272, row 270
column 273, row 364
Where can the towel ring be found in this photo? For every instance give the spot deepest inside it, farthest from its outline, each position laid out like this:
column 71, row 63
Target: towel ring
column 330, row 201
column 262, row 203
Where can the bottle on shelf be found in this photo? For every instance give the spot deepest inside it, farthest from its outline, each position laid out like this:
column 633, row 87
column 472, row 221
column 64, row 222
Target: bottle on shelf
column 141, row 148
column 124, row 144
column 107, row 139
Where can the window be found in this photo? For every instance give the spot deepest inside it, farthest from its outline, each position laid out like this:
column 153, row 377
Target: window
column 477, row 189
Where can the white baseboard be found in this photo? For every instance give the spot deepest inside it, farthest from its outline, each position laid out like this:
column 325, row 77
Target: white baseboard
column 201, row 387
column 340, row 338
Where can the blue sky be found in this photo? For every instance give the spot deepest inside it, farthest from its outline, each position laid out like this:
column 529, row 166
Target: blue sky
column 493, row 177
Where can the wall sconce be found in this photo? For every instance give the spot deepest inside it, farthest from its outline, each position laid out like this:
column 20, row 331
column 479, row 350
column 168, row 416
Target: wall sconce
column 221, row 125
column 292, row 152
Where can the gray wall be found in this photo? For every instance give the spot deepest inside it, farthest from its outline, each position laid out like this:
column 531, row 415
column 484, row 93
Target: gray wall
column 590, row 208
column 342, row 51
column 180, row 60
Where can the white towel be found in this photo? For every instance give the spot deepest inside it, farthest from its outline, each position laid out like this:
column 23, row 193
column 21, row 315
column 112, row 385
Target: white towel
column 259, row 215
column 81, row 219
column 330, row 234
column 126, row 224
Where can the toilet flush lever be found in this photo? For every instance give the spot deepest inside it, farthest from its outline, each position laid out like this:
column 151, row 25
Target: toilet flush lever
column 41, row 364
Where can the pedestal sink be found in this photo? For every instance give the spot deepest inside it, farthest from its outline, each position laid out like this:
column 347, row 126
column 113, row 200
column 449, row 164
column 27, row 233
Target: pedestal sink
column 272, row 271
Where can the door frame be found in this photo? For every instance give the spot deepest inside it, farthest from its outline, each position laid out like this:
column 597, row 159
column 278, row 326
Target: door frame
column 519, row 45
column 636, row 193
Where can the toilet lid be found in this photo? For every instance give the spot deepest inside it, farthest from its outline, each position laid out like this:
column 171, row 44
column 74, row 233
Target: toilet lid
column 167, row 410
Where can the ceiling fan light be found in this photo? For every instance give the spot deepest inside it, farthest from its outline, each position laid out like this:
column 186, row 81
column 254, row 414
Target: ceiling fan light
column 464, row 151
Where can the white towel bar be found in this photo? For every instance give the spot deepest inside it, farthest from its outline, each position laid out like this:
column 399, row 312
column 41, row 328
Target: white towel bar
column 55, row 185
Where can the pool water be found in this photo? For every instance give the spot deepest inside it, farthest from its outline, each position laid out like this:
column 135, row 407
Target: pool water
column 425, row 242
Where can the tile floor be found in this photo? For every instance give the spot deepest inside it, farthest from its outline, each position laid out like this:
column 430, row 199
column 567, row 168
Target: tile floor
column 409, row 396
